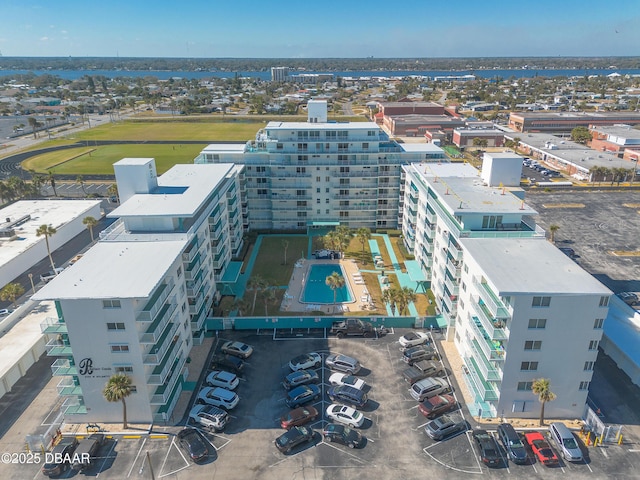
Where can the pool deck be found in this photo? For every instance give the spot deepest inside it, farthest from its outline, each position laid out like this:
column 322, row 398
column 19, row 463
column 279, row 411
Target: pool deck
column 292, row 303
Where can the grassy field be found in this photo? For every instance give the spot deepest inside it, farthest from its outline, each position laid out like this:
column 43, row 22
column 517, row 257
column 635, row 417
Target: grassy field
column 270, row 260
column 99, row 160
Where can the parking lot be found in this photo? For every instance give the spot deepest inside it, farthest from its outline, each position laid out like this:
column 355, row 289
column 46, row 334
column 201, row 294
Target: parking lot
column 396, row 444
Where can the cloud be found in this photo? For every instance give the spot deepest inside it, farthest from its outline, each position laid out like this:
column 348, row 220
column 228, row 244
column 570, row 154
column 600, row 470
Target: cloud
column 44, row 39
column 64, row 32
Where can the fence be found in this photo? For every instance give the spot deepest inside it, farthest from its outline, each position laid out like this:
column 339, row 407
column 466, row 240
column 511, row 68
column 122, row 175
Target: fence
column 595, row 425
column 258, row 323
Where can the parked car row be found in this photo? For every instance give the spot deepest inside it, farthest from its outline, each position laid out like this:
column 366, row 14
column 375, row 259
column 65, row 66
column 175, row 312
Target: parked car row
column 527, row 162
column 345, row 391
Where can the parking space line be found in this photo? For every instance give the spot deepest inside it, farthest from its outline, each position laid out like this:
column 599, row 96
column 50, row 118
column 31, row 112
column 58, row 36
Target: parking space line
column 341, row 450
column 136, row 459
column 107, row 457
column 167, row 456
column 473, row 450
column 449, row 467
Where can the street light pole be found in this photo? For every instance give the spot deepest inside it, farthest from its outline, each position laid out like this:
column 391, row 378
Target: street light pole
column 33, row 287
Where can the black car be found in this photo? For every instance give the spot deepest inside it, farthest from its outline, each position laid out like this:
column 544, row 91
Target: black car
column 512, row 443
column 301, row 395
column 193, row 443
column 335, row 432
column 292, row 438
column 61, row 457
column 487, row 447
column 348, row 395
column 300, row 377
column 228, row 363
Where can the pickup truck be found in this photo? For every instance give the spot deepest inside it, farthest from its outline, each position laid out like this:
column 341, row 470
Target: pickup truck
column 422, row 369
column 352, row 327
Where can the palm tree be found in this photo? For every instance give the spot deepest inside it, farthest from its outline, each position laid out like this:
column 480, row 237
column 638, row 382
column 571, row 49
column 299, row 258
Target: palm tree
column 90, row 222
column 52, row 181
column 256, row 284
column 364, row 235
column 542, row 388
column 285, row 245
column 389, row 296
column 334, row 282
column 47, row 231
column 268, row 297
column 330, row 240
column 11, row 292
column 404, row 297
column 33, row 123
column 80, row 181
column 117, row 389
column 112, row 191
column 553, row 228
column 241, row 306
column 344, row 236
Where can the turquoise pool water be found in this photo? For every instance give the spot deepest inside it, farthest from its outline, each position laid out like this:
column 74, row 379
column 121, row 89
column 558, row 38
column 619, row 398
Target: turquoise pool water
column 317, row 291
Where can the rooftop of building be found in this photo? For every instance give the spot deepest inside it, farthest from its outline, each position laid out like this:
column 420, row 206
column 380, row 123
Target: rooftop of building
column 530, row 266
column 575, row 115
column 274, row 125
column 115, row 270
column 180, row 192
column 460, row 187
column 56, row 213
column 225, row 147
column 624, row 131
column 413, row 118
column 571, row 151
column 426, row 147
column 409, row 104
column 506, row 154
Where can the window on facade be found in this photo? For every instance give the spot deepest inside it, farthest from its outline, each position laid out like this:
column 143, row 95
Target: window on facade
column 302, row 214
column 317, row 200
column 119, row 348
column 598, row 323
column 584, row 386
column 179, row 272
column 541, row 301
column 344, row 169
column 588, row 366
column 261, row 169
column 464, row 286
column 301, row 193
column 537, row 323
column 529, row 366
column 301, row 169
column 532, row 345
column 525, row 386
column 133, row 389
column 344, row 181
column 365, row 146
column 327, row 211
column 262, row 191
column 124, row 369
column 491, row 221
column 318, row 190
column 326, row 190
column 111, row 304
column 593, row 345
column 344, row 203
column 317, row 179
column 302, row 203
column 261, row 180
column 604, row 301
column 115, row 326
column 344, row 214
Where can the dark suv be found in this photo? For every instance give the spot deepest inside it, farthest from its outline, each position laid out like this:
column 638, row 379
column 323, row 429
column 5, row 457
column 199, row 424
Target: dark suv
column 228, row 363
column 512, row 443
column 421, row 352
column 59, row 457
column 348, row 395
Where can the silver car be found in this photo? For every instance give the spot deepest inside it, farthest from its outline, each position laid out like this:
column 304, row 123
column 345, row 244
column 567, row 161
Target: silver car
column 342, row 363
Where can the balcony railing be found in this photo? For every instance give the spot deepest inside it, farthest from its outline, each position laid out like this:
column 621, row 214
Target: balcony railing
column 197, row 321
column 62, row 367
column 74, row 405
column 194, row 306
column 491, row 350
column 156, row 302
column 482, row 388
column 191, row 251
column 53, row 325
column 455, row 252
column 163, row 392
column 453, row 266
column 57, row 349
column 490, row 372
column 453, row 286
column 491, row 300
column 154, row 332
column 163, row 345
column 495, row 328
column 67, row 386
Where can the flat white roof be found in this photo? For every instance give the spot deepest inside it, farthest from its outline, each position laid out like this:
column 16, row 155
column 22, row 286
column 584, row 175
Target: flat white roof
column 225, row 147
column 420, row 147
column 512, row 155
column 322, row 126
column 56, row 213
column 181, row 191
column 460, row 187
column 530, row 265
column 115, row 270
column 134, row 161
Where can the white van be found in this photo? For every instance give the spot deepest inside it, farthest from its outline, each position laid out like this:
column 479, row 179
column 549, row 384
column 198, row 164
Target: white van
column 566, row 442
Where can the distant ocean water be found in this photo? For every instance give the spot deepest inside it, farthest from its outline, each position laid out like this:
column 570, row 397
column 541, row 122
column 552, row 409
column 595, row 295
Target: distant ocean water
column 266, row 75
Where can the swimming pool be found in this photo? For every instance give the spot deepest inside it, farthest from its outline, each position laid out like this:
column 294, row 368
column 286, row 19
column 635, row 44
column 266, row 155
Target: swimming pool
column 317, row 291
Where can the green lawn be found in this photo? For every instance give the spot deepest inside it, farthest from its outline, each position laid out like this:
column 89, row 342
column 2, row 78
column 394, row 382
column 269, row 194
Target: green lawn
column 270, row 260
column 99, row 160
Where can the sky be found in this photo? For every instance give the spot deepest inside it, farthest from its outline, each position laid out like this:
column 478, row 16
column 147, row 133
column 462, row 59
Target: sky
column 329, row 28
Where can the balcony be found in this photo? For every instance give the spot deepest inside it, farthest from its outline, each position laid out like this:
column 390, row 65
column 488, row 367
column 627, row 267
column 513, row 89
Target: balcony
column 154, row 332
column 156, row 302
column 62, row 367
column 454, row 251
column 481, row 388
column 155, row 356
column 58, row 349
column 53, row 325
column 161, row 371
column 190, row 251
column 163, row 393
column 196, row 304
column 492, row 373
column 452, row 285
column 451, row 301
column 495, row 328
column 492, row 350
column 453, row 267
column 74, row 405
column 67, row 386
column 193, row 286
column 430, row 216
column 197, row 321
column 491, row 300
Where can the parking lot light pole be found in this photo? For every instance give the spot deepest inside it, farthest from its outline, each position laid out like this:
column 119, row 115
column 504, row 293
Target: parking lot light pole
column 33, row 287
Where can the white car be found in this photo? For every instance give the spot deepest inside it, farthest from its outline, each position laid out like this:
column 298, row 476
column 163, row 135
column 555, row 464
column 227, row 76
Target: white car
column 343, row 414
column 210, row 417
column 344, row 379
column 237, row 349
column 305, row 361
column 220, row 378
column 218, row 397
column 413, row 339
column 4, row 312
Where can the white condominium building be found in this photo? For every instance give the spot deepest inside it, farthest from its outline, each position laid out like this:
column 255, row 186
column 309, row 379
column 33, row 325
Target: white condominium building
column 516, row 308
column 137, row 301
column 301, row 174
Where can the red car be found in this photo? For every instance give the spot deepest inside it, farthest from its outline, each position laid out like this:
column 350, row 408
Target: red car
column 298, row 416
column 541, row 449
column 434, row 406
